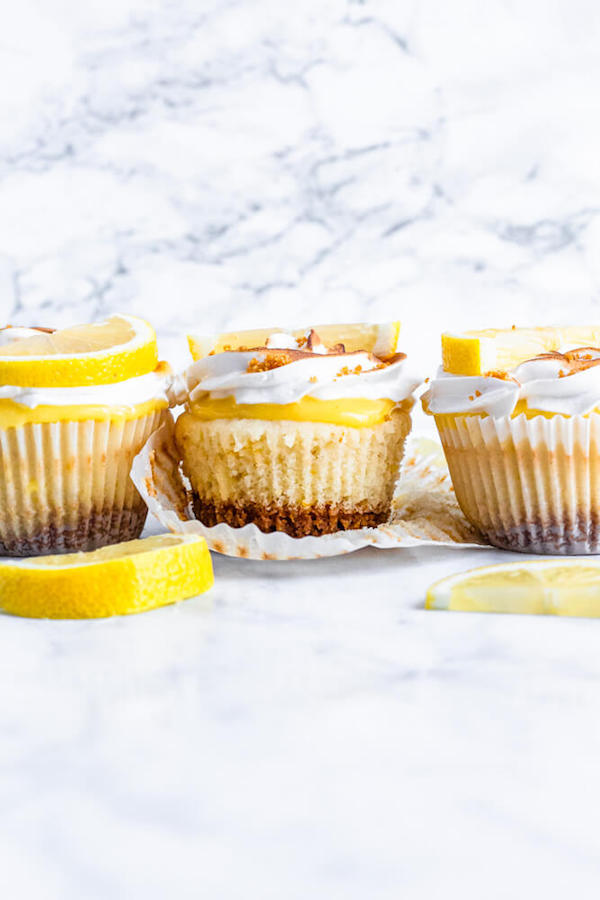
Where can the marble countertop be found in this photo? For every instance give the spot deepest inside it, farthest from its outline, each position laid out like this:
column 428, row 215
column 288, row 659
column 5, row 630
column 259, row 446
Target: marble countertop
column 307, row 729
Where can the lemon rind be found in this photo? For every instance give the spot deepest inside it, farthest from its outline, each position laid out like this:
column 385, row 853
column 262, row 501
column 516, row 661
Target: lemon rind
column 385, row 344
column 97, row 585
column 136, row 357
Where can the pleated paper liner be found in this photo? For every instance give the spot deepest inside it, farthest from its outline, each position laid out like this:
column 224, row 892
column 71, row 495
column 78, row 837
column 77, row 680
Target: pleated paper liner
column 531, row 485
column 314, row 475
column 66, row 486
column 425, row 511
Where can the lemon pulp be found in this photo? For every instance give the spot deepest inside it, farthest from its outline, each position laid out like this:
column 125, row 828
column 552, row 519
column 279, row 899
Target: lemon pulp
column 479, row 352
column 380, row 339
column 125, row 578
column 117, row 349
column 548, row 587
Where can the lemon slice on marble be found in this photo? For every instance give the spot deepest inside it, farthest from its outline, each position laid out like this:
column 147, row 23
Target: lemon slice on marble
column 478, row 352
column 131, row 577
column 380, row 339
column 541, row 587
column 121, row 347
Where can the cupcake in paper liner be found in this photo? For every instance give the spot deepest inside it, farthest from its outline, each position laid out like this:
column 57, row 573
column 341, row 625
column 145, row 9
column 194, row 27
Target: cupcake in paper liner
column 523, row 449
column 301, row 433
column 76, row 406
column 424, row 509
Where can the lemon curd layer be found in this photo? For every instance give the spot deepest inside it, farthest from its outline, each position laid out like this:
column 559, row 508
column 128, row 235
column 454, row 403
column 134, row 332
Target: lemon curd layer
column 14, row 415
column 356, row 412
column 520, row 409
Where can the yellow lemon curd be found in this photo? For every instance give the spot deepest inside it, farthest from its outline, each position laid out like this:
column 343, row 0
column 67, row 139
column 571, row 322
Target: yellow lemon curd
column 356, row 412
column 14, row 415
column 520, row 409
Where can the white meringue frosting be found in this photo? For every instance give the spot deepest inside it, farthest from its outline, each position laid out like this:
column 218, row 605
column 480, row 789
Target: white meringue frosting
column 128, row 393
column 322, row 375
column 543, row 383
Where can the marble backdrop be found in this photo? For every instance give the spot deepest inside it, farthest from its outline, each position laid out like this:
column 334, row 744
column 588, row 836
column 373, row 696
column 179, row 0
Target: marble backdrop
column 309, row 731
column 209, row 163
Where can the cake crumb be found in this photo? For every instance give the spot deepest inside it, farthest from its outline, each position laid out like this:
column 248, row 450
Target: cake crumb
column 266, row 364
column 346, row 370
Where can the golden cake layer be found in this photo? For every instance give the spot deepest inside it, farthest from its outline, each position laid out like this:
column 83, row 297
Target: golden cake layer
column 298, row 477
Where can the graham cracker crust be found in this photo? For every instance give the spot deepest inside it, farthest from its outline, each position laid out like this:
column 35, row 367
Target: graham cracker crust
column 561, row 538
column 95, row 529
column 295, row 521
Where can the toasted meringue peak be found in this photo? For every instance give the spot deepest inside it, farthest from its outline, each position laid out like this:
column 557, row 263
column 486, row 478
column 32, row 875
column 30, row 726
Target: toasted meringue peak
column 286, row 369
column 566, row 382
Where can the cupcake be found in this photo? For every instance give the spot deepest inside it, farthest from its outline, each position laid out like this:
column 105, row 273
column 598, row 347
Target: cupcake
column 76, row 405
column 518, row 413
column 296, row 432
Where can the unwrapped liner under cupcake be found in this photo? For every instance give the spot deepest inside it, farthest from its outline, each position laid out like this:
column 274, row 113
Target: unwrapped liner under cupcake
column 291, row 444
column 424, row 510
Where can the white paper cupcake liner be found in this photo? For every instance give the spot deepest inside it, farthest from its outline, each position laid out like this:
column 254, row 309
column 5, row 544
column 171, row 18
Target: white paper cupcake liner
column 66, row 486
column 425, row 511
column 531, row 485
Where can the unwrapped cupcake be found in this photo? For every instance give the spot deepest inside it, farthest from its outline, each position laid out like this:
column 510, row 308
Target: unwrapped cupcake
column 518, row 413
column 76, row 406
column 297, row 432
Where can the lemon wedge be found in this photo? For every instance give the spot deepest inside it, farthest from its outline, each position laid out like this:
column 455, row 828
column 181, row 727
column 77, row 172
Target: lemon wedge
column 380, row 339
column 121, row 347
column 541, row 587
column 478, row 352
column 124, row 578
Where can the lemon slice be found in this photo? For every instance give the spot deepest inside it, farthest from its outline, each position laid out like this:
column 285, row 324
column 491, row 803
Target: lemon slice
column 124, row 578
column 380, row 339
column 478, row 352
column 541, row 587
column 103, row 353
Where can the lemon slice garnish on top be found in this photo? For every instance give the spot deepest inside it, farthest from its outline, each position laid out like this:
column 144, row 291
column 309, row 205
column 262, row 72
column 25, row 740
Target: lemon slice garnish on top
column 380, row 339
column 131, row 577
column 106, row 352
column 540, row 587
column 490, row 350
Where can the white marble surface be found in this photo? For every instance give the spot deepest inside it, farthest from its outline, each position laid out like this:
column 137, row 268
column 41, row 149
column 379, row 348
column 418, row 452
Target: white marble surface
column 308, row 730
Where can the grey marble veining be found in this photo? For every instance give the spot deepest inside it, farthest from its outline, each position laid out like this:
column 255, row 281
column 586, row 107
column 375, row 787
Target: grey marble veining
column 307, row 729
column 227, row 162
